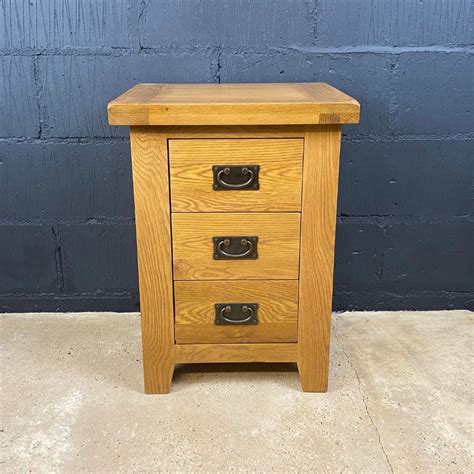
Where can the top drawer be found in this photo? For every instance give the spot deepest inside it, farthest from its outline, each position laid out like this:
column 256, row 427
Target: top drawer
column 198, row 166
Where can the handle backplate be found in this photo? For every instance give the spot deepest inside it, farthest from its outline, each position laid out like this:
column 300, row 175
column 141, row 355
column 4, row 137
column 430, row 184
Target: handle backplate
column 235, row 177
column 235, row 248
column 236, row 314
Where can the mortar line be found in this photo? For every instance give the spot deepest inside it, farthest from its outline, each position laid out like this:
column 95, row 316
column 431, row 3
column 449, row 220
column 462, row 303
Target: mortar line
column 404, row 138
column 375, row 219
column 58, row 258
column 393, row 103
column 68, row 221
column 72, row 295
column 370, row 49
column 38, row 95
column 86, row 140
column 219, row 65
column 364, row 400
column 132, row 292
column 216, row 67
column 186, row 50
column 141, row 8
column 92, row 139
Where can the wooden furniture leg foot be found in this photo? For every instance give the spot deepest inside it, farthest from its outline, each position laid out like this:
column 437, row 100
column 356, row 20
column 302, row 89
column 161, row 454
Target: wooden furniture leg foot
column 158, row 377
column 314, row 373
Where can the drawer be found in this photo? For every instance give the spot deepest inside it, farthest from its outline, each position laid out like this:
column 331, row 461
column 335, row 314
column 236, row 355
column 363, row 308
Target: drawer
column 276, row 315
column 279, row 174
column 277, row 246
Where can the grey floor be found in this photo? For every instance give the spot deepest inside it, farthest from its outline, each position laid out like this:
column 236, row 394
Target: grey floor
column 400, row 400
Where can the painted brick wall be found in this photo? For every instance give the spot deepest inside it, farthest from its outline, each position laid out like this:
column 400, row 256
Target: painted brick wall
column 405, row 226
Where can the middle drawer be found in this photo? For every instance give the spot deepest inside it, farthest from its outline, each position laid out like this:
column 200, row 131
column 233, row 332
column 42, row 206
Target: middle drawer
column 273, row 237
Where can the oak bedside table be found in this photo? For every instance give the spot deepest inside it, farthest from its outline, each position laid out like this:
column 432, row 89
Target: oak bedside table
column 235, row 189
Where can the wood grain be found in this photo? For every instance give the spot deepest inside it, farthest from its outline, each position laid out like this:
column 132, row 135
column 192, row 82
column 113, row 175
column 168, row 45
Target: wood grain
column 195, row 313
column 233, row 131
column 278, row 245
column 280, row 175
column 213, row 353
column 320, row 182
column 233, row 104
column 152, row 213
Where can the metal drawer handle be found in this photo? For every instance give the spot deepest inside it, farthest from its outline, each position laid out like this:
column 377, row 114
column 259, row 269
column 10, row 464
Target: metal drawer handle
column 226, row 171
column 229, row 177
column 236, row 313
column 245, row 310
column 242, row 247
column 226, row 243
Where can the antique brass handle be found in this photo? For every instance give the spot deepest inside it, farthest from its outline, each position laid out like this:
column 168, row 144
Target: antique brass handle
column 243, row 242
column 236, row 313
column 226, row 171
column 226, row 248
column 227, row 177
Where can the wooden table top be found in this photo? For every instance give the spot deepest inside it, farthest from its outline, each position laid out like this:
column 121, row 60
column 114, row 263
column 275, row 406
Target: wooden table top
column 233, row 104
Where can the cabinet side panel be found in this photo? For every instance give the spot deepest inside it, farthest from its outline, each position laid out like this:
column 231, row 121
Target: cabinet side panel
column 152, row 213
column 318, row 225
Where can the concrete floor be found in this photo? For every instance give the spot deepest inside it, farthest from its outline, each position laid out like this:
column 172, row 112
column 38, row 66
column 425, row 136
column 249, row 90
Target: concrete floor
column 400, row 400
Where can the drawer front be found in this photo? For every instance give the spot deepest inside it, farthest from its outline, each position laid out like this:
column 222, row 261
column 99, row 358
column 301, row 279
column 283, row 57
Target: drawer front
column 275, row 240
column 276, row 317
column 274, row 186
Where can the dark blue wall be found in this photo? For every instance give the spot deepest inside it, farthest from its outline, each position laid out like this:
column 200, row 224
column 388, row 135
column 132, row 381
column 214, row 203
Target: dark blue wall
column 405, row 226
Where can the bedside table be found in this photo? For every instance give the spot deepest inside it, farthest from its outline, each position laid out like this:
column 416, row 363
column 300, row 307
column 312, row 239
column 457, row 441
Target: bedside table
column 235, row 189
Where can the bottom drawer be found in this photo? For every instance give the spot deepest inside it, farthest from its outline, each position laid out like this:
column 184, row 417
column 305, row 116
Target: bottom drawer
column 199, row 320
